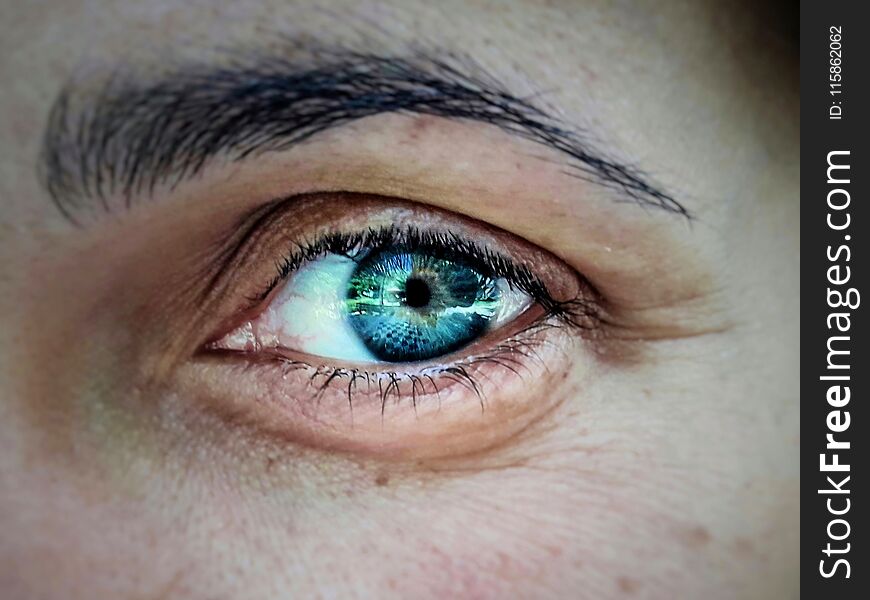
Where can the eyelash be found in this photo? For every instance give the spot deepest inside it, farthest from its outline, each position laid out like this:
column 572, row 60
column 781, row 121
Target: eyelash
column 580, row 312
column 577, row 312
column 524, row 343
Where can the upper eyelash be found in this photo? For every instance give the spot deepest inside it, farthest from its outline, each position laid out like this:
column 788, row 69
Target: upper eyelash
column 445, row 245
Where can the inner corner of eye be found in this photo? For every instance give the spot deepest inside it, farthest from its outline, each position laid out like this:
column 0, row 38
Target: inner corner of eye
column 391, row 306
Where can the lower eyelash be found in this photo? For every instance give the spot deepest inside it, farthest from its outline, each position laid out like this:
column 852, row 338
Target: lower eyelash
column 413, row 386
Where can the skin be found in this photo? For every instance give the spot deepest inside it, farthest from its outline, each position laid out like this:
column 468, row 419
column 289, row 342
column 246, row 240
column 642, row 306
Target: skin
column 662, row 463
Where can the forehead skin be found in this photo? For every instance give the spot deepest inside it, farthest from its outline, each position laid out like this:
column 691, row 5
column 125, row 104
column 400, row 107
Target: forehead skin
column 703, row 95
column 695, row 68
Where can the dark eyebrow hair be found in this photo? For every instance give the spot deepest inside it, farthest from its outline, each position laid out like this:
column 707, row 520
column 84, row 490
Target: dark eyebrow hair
column 131, row 136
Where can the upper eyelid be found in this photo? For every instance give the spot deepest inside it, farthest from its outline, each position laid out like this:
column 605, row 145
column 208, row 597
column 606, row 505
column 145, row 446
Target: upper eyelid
column 572, row 311
column 128, row 140
column 377, row 238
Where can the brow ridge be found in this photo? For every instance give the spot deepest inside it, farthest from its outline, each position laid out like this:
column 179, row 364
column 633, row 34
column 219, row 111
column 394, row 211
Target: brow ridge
column 132, row 136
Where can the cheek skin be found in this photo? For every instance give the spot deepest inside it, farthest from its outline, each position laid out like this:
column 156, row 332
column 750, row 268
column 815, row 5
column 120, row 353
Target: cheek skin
column 485, row 531
column 397, row 528
column 551, row 509
column 215, row 481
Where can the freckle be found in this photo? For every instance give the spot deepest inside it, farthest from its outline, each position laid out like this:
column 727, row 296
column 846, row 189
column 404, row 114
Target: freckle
column 743, row 546
column 382, row 479
column 418, row 126
column 696, row 537
column 554, row 551
column 627, row 584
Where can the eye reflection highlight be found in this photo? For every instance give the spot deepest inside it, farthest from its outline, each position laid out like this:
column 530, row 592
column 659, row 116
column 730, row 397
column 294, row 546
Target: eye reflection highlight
column 411, row 306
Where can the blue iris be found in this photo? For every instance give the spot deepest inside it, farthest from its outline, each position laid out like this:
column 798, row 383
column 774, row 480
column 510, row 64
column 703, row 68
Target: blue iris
column 410, row 306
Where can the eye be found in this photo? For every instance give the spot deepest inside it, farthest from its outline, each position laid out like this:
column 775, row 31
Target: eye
column 391, row 305
column 374, row 325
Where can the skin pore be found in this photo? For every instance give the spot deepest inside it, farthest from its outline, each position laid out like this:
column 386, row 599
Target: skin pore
column 651, row 456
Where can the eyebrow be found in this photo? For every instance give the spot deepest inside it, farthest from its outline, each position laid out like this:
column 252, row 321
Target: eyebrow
column 131, row 136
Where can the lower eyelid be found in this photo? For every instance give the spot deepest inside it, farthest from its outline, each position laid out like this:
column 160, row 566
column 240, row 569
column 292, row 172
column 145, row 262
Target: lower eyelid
column 396, row 415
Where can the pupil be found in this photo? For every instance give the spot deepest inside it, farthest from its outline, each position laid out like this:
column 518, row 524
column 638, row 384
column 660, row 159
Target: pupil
column 417, row 293
column 409, row 306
